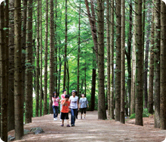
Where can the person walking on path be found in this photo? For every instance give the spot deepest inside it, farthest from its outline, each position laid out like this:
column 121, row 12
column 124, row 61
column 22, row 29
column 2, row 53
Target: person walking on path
column 83, row 104
column 55, row 105
column 74, row 107
column 65, row 110
column 62, row 98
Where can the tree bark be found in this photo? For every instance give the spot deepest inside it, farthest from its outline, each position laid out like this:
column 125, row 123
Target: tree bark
column 46, row 54
column 101, row 95
column 92, row 21
column 17, row 71
column 51, row 54
column 112, row 62
column 4, row 94
column 157, row 64
column 128, row 55
column 65, row 56
column 1, row 46
column 56, row 52
column 122, row 111
column 37, row 58
column 118, row 61
column 133, row 70
column 78, row 55
column 108, row 56
column 146, row 58
column 139, row 63
column 11, row 68
column 151, row 68
column 29, row 91
column 163, row 67
column 41, row 48
column 23, row 45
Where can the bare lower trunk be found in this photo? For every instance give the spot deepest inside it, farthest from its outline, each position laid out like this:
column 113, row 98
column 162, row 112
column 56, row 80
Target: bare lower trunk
column 101, row 95
column 112, row 62
column 11, row 68
column 118, row 61
column 78, row 56
column 163, row 67
column 151, row 69
column 29, row 91
column 139, row 63
column 128, row 55
column 122, row 111
column 51, row 54
column 17, row 72
column 157, row 64
column 37, row 58
column 65, row 56
column 132, row 105
column 41, row 48
column 45, row 68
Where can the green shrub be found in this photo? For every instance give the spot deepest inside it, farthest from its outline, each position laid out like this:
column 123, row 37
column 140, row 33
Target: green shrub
column 145, row 113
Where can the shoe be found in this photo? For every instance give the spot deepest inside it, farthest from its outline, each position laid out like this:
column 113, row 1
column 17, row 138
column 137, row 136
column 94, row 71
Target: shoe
column 55, row 118
column 62, row 125
column 68, row 125
column 72, row 125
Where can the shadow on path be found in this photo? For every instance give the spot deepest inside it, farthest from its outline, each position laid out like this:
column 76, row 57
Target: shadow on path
column 90, row 130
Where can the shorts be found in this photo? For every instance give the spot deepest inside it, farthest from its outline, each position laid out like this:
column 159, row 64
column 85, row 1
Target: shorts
column 83, row 110
column 64, row 115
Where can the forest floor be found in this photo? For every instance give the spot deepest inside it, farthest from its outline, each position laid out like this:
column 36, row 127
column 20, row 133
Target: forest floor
column 92, row 129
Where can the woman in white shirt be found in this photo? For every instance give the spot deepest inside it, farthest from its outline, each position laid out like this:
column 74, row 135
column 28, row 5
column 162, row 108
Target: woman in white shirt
column 74, row 106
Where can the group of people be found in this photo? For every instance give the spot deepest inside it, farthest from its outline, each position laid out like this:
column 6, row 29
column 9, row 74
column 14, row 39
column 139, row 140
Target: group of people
column 68, row 104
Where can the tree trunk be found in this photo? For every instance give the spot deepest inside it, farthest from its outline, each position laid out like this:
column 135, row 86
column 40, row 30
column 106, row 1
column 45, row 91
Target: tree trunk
column 93, row 87
column 128, row 56
column 112, row 62
column 68, row 77
column 163, row 67
column 85, row 78
column 51, row 54
column 59, row 72
column 157, row 64
column 139, row 63
column 108, row 56
column 29, row 91
column 151, row 68
column 118, row 61
column 92, row 21
column 45, row 68
column 122, row 111
column 132, row 104
column 17, row 71
column 1, row 46
column 65, row 56
column 4, row 91
column 101, row 95
column 11, row 68
column 146, row 59
column 41, row 48
column 37, row 58
column 23, row 45
column 55, row 52
column 78, row 56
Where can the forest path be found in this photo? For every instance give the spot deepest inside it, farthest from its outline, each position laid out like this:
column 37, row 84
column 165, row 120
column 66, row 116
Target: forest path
column 91, row 129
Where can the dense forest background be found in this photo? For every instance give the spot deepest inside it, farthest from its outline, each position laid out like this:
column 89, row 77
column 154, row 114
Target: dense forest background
column 112, row 51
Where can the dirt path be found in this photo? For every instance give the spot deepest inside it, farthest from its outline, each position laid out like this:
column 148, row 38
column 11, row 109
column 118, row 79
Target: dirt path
column 91, row 129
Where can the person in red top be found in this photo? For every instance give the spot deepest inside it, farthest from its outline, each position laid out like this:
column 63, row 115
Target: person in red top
column 65, row 110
